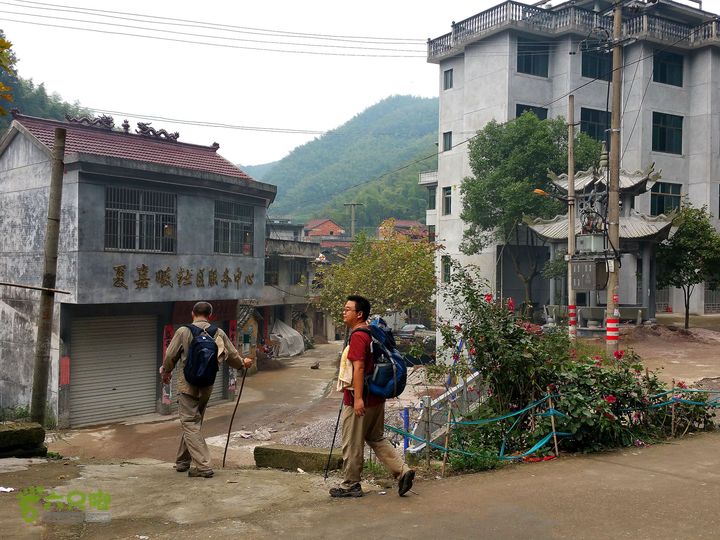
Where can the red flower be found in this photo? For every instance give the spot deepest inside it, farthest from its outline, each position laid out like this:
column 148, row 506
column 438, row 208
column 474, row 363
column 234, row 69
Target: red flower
column 511, row 304
column 473, row 351
column 618, row 354
column 488, row 298
column 610, row 399
column 597, row 358
column 681, row 384
column 458, row 327
column 598, row 363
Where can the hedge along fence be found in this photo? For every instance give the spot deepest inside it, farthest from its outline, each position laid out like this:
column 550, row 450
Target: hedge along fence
column 629, row 415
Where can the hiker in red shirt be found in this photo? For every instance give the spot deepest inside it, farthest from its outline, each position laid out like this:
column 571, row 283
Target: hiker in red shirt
column 363, row 414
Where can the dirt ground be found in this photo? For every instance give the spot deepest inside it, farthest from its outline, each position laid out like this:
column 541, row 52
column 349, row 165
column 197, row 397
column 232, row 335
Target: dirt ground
column 690, row 355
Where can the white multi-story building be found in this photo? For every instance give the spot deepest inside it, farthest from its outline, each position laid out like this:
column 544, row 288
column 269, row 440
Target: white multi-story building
column 513, row 57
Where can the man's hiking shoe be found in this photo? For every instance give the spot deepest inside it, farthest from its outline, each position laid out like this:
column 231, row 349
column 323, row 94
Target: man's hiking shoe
column 405, row 482
column 182, row 467
column 195, row 473
column 353, row 491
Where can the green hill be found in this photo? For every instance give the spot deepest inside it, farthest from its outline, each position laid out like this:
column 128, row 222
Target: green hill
column 258, row 172
column 315, row 179
column 32, row 99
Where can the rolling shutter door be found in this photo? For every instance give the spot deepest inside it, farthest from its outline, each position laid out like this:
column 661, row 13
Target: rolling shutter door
column 113, row 368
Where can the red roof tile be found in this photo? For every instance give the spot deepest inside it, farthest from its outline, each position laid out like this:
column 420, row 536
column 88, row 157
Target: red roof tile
column 118, row 144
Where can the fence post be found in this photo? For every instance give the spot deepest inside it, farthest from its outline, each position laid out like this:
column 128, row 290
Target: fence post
column 406, row 428
column 428, row 413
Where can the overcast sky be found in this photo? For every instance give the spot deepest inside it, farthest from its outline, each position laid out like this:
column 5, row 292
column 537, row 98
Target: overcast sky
column 113, row 69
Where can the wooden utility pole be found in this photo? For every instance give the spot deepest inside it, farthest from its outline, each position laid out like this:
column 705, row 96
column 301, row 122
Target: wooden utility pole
column 572, row 307
column 38, row 405
column 352, row 206
column 612, row 314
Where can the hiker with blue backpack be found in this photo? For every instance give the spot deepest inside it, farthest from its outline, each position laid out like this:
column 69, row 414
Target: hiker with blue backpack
column 197, row 350
column 374, row 371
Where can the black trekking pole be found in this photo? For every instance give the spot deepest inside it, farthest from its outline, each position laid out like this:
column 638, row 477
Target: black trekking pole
column 242, row 384
column 327, row 466
column 337, row 423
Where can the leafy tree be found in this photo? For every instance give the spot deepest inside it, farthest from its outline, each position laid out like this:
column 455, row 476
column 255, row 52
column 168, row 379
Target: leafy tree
column 7, row 63
column 396, row 274
column 508, row 161
column 691, row 256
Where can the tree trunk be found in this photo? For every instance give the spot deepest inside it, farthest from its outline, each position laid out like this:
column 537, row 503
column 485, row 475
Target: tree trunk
column 687, row 291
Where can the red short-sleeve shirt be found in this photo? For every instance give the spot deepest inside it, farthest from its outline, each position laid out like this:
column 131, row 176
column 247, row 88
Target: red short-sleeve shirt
column 360, row 350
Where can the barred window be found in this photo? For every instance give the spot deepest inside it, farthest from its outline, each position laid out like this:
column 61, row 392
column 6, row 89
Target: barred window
column 664, row 198
column 667, row 133
column 138, row 220
column 272, row 271
column 234, row 226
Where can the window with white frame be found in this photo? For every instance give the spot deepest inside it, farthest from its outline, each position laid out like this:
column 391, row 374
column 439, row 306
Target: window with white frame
column 447, row 141
column 140, row 220
column 234, row 228
column 664, row 198
column 447, row 79
column 445, row 268
column 432, row 193
column 447, row 201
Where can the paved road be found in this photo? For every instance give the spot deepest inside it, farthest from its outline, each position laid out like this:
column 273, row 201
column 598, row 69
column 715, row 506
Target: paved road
column 665, row 491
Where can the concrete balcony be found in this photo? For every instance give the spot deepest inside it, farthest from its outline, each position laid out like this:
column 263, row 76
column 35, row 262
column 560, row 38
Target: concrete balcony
column 428, row 178
column 567, row 20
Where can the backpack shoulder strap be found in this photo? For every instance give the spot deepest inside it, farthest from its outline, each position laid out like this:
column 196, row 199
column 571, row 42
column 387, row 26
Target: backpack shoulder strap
column 212, row 331
column 194, row 330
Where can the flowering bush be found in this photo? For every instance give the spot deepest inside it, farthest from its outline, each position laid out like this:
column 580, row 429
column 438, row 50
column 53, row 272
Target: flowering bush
column 606, row 402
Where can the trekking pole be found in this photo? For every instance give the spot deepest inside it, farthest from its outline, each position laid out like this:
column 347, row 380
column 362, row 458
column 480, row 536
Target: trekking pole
column 242, row 384
column 337, row 424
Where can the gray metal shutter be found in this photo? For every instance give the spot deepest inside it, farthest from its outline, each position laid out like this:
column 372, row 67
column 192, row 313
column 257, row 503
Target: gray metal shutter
column 113, row 373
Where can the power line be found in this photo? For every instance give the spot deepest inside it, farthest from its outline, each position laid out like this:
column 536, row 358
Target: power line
column 209, row 124
column 173, row 21
column 222, row 45
column 190, row 34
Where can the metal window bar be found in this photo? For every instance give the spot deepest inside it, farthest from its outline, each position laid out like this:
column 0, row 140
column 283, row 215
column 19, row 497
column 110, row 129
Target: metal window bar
column 234, row 228
column 139, row 220
column 712, row 300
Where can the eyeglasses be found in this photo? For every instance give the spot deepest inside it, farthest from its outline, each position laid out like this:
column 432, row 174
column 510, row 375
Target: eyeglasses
column 349, row 309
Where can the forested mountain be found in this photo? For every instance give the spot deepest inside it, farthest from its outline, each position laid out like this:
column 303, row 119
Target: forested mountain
column 314, row 180
column 31, row 99
column 258, row 172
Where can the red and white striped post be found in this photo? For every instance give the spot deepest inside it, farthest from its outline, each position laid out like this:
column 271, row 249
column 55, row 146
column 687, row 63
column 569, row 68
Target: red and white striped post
column 612, row 332
column 572, row 321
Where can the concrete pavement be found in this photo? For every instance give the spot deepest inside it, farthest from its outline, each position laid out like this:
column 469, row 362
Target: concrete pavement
column 664, row 491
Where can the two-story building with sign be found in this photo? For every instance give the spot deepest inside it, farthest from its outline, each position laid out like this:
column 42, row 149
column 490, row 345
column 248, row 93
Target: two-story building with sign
column 149, row 225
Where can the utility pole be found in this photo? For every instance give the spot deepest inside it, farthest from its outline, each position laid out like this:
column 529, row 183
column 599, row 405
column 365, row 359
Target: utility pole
column 352, row 206
column 612, row 314
column 572, row 307
column 41, row 368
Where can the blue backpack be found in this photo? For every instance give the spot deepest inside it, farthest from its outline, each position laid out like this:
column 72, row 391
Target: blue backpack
column 389, row 376
column 201, row 364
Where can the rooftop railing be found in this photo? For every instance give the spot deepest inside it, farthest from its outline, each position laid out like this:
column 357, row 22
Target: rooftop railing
column 571, row 19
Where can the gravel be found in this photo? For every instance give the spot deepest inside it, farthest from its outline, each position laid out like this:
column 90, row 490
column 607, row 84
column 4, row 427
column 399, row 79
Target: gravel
column 317, row 435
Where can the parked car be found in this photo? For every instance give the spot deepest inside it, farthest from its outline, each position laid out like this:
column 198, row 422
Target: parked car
column 411, row 331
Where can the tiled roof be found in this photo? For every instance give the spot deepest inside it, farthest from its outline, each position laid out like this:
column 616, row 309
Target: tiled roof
column 636, row 226
column 130, row 146
column 315, row 222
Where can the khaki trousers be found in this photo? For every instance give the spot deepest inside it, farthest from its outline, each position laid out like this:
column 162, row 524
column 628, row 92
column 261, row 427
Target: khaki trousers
column 193, row 449
column 358, row 430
